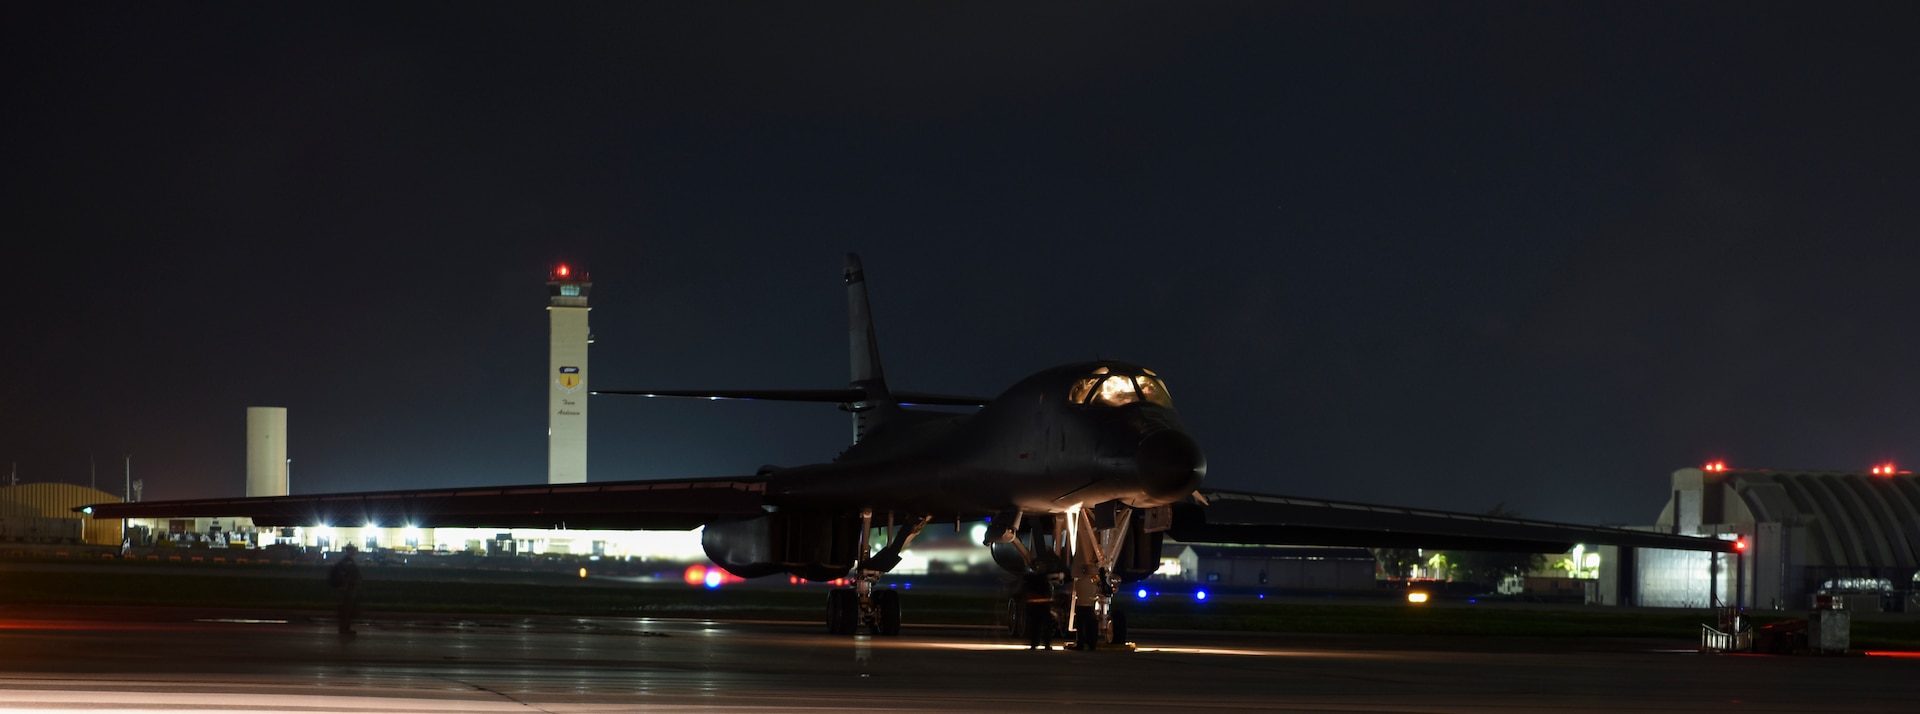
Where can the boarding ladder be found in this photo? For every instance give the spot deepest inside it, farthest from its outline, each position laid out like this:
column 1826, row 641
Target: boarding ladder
column 1733, row 634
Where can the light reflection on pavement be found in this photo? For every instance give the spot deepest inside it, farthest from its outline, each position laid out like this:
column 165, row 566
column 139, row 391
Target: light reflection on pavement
column 162, row 661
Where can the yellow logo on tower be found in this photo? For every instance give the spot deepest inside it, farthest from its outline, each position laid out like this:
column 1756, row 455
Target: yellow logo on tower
column 569, row 380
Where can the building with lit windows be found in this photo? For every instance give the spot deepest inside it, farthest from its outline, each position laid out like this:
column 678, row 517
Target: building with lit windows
column 1314, row 568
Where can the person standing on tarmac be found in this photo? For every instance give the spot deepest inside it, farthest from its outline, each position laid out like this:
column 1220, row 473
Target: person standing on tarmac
column 345, row 579
column 1037, row 590
column 1086, row 590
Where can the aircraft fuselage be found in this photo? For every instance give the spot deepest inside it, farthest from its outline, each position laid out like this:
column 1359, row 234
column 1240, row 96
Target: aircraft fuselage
column 1047, row 444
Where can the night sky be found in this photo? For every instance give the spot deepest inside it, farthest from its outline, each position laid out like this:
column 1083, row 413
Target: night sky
column 1450, row 255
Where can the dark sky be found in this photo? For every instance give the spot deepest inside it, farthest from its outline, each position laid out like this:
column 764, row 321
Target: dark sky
column 1441, row 254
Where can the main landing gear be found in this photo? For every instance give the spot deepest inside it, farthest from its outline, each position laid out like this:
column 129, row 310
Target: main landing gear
column 850, row 609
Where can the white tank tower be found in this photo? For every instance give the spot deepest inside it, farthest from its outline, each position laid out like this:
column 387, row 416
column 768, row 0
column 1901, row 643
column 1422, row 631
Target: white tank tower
column 266, row 451
column 567, row 309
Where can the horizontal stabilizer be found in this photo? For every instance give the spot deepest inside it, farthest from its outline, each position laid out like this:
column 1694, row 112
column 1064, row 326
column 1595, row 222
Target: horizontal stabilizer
column 837, row 396
column 939, row 400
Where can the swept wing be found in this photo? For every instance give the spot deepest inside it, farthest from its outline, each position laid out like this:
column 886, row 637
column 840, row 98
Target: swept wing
column 629, row 505
column 1254, row 518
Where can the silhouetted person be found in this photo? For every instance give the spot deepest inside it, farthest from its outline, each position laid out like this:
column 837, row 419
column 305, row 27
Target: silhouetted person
column 1086, row 591
column 345, row 579
column 1037, row 590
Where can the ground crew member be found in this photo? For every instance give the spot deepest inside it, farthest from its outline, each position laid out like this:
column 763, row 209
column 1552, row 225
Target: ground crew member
column 1086, row 592
column 1037, row 590
column 345, row 579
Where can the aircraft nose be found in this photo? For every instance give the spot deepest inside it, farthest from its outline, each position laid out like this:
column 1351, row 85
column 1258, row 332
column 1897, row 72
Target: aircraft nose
column 1171, row 465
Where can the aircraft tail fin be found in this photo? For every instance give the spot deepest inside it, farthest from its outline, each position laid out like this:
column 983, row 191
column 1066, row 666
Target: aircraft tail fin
column 879, row 404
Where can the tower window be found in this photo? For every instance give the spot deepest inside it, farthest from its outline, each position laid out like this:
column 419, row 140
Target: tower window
column 570, row 291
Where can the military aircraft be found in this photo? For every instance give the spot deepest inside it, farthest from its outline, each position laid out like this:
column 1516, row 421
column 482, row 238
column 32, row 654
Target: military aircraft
column 1079, row 472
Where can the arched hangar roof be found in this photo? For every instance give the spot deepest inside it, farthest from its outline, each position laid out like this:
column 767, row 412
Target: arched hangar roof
column 1851, row 518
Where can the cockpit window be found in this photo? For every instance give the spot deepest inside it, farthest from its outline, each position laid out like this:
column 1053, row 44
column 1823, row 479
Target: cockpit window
column 1078, row 394
column 1115, row 391
column 1107, row 389
column 1153, row 390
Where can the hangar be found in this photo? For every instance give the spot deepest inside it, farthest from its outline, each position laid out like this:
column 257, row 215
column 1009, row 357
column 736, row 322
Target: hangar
column 1806, row 533
column 43, row 513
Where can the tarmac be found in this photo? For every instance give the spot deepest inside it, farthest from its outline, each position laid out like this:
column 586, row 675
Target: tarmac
column 184, row 659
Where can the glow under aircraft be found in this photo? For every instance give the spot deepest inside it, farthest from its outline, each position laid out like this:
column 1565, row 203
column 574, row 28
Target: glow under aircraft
column 1079, row 471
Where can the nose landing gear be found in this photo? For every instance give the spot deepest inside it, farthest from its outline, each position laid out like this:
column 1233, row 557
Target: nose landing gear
column 1085, row 548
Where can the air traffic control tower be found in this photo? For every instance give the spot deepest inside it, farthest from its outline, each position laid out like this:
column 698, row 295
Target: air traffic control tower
column 567, row 309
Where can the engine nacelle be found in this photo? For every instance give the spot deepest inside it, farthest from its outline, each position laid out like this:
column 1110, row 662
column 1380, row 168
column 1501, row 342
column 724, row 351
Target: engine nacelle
column 812, row 546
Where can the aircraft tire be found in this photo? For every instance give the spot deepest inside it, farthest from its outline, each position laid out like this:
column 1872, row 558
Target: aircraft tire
column 843, row 611
column 1086, row 631
column 833, row 612
column 888, row 602
column 1117, row 623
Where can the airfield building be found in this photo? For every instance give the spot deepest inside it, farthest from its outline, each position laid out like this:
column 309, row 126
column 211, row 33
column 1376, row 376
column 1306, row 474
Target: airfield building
column 1802, row 533
column 43, row 513
column 567, row 308
column 1304, row 568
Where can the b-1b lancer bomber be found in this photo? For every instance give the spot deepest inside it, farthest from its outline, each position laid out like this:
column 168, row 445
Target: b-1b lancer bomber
column 1078, row 471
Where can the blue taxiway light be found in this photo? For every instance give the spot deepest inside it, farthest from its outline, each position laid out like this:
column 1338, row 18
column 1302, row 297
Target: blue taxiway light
column 1141, row 593
column 1199, row 594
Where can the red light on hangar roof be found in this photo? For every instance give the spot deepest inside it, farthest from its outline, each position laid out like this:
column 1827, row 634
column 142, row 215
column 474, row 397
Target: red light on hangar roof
column 1715, row 466
column 1740, row 545
column 1886, row 470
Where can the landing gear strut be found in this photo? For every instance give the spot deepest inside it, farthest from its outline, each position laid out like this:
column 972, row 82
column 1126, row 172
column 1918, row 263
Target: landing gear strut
column 1086, row 552
column 849, row 609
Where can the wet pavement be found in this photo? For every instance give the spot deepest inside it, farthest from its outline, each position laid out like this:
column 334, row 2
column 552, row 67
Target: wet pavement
column 165, row 659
